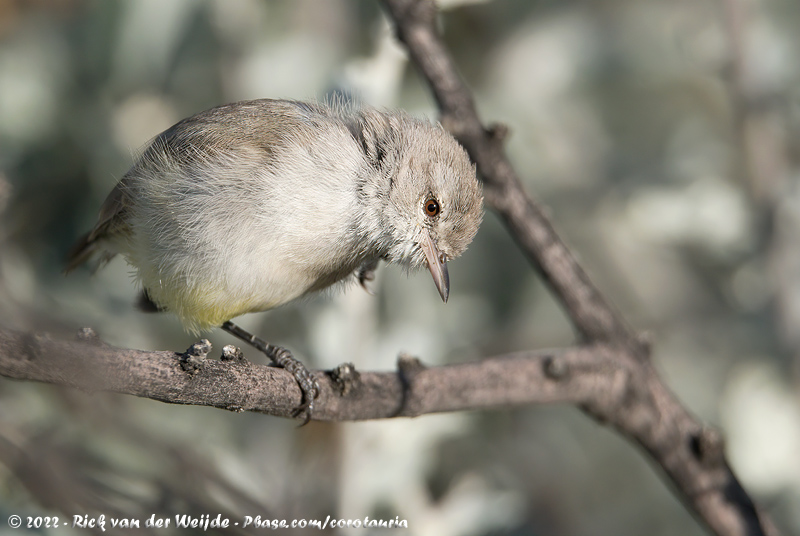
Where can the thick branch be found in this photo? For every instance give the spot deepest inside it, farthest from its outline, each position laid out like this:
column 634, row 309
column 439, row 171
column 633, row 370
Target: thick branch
column 691, row 455
column 611, row 378
column 579, row 375
column 607, row 382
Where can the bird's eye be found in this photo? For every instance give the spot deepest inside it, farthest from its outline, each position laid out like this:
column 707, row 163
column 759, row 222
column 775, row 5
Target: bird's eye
column 432, row 208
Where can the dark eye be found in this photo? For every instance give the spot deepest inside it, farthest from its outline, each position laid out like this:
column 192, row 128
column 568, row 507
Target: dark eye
column 432, row 207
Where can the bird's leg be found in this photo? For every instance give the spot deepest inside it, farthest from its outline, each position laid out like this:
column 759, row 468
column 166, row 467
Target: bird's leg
column 283, row 358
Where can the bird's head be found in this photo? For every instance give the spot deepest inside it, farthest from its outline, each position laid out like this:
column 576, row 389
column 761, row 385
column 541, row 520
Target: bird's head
column 434, row 203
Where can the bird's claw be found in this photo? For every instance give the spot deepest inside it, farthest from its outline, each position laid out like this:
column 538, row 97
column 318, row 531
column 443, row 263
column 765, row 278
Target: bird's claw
column 366, row 274
column 305, row 380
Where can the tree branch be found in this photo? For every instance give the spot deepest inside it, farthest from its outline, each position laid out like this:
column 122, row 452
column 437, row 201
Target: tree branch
column 611, row 378
column 690, row 454
column 588, row 310
column 602, row 379
column 582, row 375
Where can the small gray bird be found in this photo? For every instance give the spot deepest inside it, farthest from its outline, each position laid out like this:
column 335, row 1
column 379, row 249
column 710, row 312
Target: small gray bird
column 251, row 205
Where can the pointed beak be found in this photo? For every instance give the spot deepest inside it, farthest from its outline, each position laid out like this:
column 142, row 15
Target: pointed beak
column 437, row 264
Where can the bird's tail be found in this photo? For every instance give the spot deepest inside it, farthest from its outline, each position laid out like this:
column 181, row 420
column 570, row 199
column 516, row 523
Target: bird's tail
column 87, row 248
column 110, row 224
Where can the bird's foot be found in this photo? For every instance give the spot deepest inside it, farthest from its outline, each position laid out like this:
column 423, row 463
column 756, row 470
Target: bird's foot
column 366, row 274
column 305, row 379
column 284, row 359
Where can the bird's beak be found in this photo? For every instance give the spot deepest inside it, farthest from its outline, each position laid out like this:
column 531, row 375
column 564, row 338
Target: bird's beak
column 437, row 264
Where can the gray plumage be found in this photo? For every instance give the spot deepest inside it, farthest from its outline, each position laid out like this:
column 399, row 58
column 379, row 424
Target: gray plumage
column 251, row 205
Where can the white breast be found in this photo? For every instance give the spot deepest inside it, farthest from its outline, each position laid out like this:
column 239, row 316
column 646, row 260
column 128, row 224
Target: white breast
column 240, row 233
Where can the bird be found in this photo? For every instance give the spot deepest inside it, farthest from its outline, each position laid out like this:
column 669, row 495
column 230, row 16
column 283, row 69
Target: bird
column 251, row 205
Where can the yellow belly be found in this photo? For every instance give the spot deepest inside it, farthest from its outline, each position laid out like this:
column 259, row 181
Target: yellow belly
column 202, row 309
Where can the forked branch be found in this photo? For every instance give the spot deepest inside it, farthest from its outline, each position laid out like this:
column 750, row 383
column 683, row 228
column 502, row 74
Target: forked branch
column 610, row 377
column 691, row 455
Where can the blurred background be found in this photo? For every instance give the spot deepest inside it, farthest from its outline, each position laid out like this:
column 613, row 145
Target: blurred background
column 662, row 134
